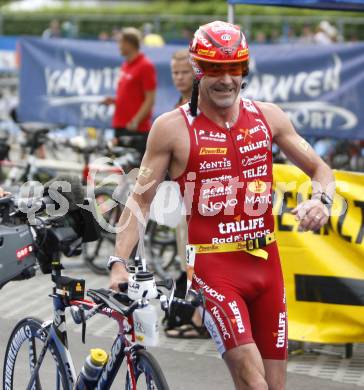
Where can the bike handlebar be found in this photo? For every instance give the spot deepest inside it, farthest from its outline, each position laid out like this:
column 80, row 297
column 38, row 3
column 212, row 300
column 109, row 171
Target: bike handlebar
column 121, row 303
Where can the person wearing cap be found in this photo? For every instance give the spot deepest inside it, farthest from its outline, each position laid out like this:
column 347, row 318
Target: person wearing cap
column 218, row 148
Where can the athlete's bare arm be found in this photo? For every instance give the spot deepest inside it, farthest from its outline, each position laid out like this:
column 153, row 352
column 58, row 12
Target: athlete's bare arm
column 159, row 157
column 304, row 157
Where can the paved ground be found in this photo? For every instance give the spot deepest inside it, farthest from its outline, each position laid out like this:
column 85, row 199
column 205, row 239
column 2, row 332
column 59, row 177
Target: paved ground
column 191, row 364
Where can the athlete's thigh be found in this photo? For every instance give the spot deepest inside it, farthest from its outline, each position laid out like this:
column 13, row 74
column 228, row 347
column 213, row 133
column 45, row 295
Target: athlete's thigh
column 225, row 315
column 268, row 317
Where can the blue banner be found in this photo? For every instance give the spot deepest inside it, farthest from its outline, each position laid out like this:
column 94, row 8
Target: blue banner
column 8, row 54
column 321, row 87
column 63, row 81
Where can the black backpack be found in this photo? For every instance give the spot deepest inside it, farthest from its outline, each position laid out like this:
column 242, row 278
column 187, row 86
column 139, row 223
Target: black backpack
column 179, row 315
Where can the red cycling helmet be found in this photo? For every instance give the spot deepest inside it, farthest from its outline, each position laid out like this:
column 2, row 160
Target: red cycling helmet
column 218, row 42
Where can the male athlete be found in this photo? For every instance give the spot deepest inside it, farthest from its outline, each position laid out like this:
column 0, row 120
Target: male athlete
column 219, row 149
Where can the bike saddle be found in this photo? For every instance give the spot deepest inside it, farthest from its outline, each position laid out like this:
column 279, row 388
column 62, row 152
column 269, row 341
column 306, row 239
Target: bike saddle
column 113, row 300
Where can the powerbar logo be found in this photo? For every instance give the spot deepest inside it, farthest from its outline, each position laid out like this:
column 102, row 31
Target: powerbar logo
column 239, row 322
column 205, row 52
column 216, row 314
column 204, row 151
column 281, row 330
column 21, row 335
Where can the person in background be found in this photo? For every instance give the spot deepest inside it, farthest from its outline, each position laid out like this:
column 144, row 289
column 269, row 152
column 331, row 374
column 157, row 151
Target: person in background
column 103, row 36
column 306, row 35
column 326, row 33
column 53, row 31
column 182, row 75
column 260, row 37
column 135, row 94
column 183, row 322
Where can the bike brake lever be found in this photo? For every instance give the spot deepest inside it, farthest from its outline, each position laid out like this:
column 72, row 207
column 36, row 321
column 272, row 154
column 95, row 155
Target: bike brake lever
column 164, row 303
column 83, row 321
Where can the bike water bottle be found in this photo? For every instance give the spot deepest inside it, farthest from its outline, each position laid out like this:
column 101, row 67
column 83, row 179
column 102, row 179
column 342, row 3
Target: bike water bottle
column 91, row 369
column 142, row 285
column 146, row 326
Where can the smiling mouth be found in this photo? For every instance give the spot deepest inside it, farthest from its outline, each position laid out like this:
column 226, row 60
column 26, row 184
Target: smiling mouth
column 223, row 90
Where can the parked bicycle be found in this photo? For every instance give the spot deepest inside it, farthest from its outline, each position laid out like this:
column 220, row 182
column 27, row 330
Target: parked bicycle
column 110, row 186
column 29, row 166
column 43, row 345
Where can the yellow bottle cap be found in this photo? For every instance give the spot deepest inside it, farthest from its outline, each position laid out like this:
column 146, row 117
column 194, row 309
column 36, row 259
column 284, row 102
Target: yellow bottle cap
column 98, row 357
column 92, row 132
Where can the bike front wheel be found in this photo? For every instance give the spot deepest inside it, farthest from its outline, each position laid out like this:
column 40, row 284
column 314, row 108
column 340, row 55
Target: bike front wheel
column 25, row 345
column 145, row 373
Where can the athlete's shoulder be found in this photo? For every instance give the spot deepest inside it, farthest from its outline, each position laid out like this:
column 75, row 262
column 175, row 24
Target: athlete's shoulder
column 167, row 126
column 269, row 109
column 169, row 119
column 276, row 118
column 255, row 106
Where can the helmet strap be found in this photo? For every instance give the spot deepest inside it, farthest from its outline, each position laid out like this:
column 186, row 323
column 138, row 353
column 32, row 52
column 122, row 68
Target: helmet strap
column 194, row 97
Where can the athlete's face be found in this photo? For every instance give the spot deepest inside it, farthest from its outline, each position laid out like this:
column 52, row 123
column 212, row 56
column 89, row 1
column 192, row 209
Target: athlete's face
column 182, row 75
column 221, row 84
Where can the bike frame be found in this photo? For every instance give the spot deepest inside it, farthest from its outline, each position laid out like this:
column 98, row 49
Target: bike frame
column 57, row 335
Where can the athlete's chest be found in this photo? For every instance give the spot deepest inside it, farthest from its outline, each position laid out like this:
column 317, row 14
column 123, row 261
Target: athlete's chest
column 242, row 151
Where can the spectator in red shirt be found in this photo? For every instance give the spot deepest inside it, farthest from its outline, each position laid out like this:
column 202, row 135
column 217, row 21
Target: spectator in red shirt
column 135, row 92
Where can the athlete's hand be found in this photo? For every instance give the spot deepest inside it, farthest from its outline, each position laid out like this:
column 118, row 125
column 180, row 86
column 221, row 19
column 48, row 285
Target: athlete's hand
column 132, row 125
column 118, row 274
column 312, row 214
